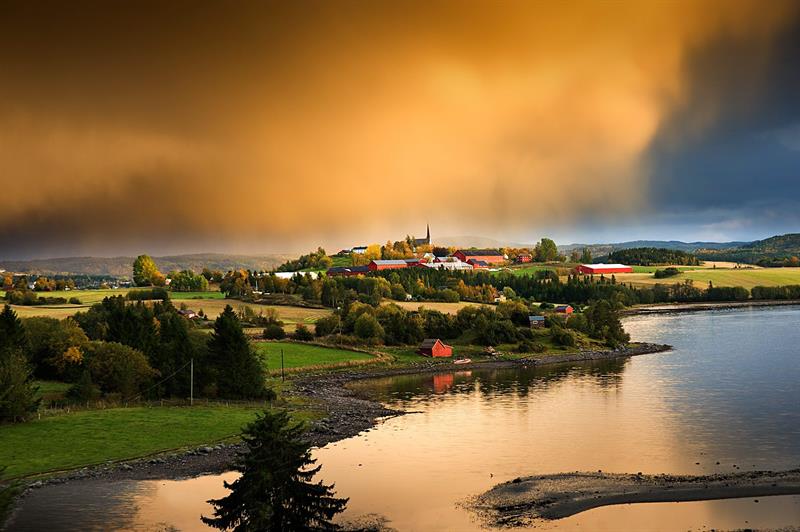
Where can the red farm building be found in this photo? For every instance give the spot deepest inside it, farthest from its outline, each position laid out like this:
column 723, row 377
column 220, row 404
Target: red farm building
column 524, row 257
column 490, row 256
column 478, row 264
column 378, row 265
column 433, row 347
column 565, row 309
column 599, row 269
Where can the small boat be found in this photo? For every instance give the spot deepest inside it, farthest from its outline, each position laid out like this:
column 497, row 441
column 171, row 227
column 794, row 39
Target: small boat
column 462, row 361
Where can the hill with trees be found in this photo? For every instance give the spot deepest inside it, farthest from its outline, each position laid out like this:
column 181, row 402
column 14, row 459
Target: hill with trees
column 780, row 250
column 653, row 257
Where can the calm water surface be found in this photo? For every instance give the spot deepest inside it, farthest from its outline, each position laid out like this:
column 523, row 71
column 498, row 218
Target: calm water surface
column 728, row 393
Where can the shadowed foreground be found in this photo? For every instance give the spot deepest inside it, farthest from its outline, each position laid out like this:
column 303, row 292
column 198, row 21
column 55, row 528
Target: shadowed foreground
column 522, row 500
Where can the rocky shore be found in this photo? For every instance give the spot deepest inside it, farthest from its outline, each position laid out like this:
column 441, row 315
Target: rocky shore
column 345, row 414
column 523, row 501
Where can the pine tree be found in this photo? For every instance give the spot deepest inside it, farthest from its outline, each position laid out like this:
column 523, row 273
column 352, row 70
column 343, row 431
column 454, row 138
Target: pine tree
column 12, row 333
column 241, row 374
column 275, row 491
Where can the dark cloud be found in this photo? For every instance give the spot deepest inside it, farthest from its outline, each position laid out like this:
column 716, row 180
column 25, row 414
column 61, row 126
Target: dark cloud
column 206, row 126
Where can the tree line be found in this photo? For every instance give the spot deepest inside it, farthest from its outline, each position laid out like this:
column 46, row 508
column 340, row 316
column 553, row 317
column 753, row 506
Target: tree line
column 653, row 257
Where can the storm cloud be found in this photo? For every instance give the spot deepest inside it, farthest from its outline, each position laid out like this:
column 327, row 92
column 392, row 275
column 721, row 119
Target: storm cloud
column 186, row 126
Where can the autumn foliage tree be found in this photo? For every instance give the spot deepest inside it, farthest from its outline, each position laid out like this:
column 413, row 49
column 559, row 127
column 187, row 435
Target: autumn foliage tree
column 145, row 272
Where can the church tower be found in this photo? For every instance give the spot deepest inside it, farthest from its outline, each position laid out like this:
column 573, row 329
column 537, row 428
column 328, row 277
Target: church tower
column 428, row 235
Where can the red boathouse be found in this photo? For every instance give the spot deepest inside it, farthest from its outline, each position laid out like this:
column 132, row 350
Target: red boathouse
column 433, row 347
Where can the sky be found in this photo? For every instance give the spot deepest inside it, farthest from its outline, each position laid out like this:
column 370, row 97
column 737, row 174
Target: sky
column 255, row 127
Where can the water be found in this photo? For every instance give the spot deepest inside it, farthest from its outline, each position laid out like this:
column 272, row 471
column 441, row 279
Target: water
column 728, row 393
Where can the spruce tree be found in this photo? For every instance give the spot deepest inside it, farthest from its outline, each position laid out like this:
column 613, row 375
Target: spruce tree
column 240, row 373
column 18, row 393
column 275, row 491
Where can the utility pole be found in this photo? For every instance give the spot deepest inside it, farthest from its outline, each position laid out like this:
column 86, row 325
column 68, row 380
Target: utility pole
column 282, row 379
column 191, row 383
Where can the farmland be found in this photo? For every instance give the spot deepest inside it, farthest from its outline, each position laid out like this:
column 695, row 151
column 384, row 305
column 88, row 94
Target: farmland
column 447, row 308
column 88, row 437
column 700, row 277
column 298, row 355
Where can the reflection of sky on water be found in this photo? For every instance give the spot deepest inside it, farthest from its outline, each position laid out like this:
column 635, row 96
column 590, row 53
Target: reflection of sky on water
column 727, row 393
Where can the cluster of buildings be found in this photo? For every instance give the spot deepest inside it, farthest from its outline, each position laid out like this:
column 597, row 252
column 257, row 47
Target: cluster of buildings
column 463, row 259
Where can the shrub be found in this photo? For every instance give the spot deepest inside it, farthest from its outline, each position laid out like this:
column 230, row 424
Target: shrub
column 75, row 301
column 302, row 334
column 118, row 368
column 562, row 336
column 527, row 346
column 368, row 328
column 327, row 325
column 84, row 390
column 274, row 332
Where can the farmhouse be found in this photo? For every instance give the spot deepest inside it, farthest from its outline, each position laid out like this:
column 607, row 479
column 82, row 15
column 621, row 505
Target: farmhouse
column 378, row 265
column 478, row 264
column 433, row 347
column 536, row 322
column 490, row 256
column 565, row 309
column 599, row 269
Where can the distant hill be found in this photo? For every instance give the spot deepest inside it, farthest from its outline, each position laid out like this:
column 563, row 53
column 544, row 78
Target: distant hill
column 765, row 251
column 601, row 250
column 122, row 266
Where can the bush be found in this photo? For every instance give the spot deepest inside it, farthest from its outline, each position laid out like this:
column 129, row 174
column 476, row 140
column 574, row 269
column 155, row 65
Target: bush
column 368, row 328
column 526, row 346
column 75, row 301
column 666, row 272
column 118, row 368
column 562, row 336
column 302, row 334
column 84, row 390
column 157, row 292
column 327, row 325
column 274, row 332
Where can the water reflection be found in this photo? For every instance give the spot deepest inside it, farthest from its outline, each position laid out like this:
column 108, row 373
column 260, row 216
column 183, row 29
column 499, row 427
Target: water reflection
column 728, row 393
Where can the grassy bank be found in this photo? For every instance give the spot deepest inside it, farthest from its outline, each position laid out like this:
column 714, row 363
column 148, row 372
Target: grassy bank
column 298, row 355
column 78, row 439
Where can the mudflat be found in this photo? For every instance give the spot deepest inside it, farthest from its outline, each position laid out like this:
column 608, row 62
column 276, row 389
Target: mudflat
column 527, row 499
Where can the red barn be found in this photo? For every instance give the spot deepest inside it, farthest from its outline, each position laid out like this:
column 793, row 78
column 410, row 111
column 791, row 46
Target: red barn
column 478, row 264
column 490, row 256
column 433, row 347
column 524, row 258
column 599, row 269
column 377, row 265
column 565, row 309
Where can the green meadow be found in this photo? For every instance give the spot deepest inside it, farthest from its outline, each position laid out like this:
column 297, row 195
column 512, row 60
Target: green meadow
column 298, row 355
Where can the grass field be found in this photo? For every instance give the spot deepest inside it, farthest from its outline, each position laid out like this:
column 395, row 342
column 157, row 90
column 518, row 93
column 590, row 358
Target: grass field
column 297, row 355
column 289, row 315
column 447, row 308
column 95, row 436
column 748, row 278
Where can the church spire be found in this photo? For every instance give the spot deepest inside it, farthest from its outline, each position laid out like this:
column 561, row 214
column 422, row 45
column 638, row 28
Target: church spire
column 428, row 235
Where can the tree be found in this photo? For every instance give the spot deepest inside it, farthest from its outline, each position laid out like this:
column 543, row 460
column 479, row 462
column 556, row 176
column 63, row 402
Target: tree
column 145, row 272
column 275, row 491
column 118, row 368
column 604, row 324
column 546, row 250
column 367, row 328
column 12, row 333
column 586, row 256
column 18, row 393
column 187, row 281
column 240, row 372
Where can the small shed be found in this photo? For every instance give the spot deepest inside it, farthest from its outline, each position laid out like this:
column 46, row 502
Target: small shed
column 536, row 322
column 565, row 309
column 433, row 347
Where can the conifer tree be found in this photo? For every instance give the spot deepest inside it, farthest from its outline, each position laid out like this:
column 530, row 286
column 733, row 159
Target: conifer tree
column 275, row 491
column 240, row 373
column 17, row 389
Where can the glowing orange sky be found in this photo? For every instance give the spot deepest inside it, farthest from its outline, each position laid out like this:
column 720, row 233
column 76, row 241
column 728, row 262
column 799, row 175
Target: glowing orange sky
column 266, row 126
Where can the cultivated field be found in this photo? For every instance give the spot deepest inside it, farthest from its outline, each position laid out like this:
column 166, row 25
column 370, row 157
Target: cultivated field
column 289, row 315
column 447, row 308
column 296, row 355
column 748, row 278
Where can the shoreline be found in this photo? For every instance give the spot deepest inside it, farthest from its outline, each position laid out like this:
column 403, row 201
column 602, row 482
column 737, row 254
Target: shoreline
column 523, row 501
column 346, row 414
column 670, row 308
